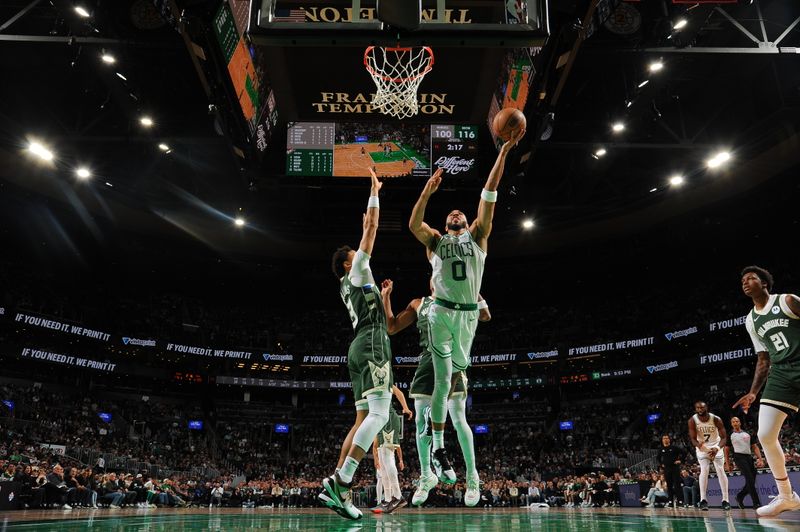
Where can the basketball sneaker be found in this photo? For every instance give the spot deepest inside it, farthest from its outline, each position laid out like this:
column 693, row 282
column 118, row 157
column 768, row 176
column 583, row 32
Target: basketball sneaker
column 704, row 505
column 779, row 504
column 726, row 505
column 336, row 496
column 473, row 494
column 442, row 467
column 426, row 484
column 396, row 504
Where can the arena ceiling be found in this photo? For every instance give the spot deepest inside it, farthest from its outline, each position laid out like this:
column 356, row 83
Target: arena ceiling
column 730, row 81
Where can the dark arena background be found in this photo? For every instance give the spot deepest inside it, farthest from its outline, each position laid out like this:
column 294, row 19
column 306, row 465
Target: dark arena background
column 175, row 176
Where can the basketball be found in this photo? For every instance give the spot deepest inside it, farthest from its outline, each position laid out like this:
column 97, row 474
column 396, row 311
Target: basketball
column 507, row 121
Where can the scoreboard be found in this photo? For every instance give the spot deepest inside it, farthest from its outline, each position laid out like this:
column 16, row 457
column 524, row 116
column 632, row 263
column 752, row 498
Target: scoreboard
column 310, row 149
column 391, row 150
column 455, row 148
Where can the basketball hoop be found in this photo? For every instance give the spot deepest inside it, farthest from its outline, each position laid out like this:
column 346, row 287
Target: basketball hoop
column 397, row 73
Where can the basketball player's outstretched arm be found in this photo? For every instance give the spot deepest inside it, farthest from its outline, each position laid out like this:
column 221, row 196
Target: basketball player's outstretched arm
column 482, row 225
column 395, row 324
column 759, row 378
column 425, row 233
column 371, row 217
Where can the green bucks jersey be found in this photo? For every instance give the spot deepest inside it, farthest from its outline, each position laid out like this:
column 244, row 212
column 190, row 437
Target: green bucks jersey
column 363, row 303
column 776, row 330
column 457, row 265
column 392, row 432
column 422, row 324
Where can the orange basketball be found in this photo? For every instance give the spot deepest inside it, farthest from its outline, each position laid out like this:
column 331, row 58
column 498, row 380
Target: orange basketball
column 507, row 121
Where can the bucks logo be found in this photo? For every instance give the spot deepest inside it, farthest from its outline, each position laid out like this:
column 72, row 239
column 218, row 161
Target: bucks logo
column 380, row 374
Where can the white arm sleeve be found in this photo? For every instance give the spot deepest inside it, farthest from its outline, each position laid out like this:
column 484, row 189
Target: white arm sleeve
column 758, row 344
column 360, row 273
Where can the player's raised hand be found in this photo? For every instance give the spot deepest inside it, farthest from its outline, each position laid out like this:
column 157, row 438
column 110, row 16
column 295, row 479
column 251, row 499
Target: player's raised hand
column 433, row 183
column 376, row 185
column 386, row 287
column 516, row 136
column 745, row 401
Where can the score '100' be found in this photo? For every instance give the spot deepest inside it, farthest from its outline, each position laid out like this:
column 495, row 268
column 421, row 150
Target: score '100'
column 447, row 134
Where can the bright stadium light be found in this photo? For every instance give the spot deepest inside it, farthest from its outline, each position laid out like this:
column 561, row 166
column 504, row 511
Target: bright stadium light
column 655, row 66
column 108, row 59
column 618, row 127
column 146, row 121
column 120, row 76
column 676, row 180
column 718, row 159
column 239, row 221
column 680, row 24
column 527, row 224
column 600, row 152
column 83, row 173
column 163, row 147
column 82, row 11
column 40, row 150
column 645, row 82
column 654, row 189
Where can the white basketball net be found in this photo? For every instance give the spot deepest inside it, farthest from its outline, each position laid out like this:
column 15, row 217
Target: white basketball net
column 397, row 73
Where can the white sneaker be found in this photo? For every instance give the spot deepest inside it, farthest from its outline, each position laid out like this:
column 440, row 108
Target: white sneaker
column 113, row 506
column 473, row 494
column 780, row 504
column 66, row 507
column 426, row 484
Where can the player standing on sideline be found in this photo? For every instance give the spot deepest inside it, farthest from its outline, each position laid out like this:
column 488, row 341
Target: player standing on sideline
column 422, row 390
column 743, row 448
column 369, row 359
column 774, row 327
column 457, row 258
column 707, row 433
column 383, row 449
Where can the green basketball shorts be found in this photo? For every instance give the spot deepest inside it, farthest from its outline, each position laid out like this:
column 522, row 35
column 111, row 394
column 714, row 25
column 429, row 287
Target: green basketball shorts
column 369, row 361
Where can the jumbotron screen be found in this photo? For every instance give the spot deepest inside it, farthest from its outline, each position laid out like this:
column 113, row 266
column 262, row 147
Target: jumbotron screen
column 404, row 150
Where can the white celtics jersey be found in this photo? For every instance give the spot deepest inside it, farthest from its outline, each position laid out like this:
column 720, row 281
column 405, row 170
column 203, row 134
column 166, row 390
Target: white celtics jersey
column 707, row 431
column 458, row 268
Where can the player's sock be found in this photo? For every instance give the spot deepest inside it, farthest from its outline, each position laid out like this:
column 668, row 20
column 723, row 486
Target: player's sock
column 705, row 466
column 770, row 420
column 348, row 469
column 723, row 480
column 438, row 439
column 423, row 440
column 458, row 415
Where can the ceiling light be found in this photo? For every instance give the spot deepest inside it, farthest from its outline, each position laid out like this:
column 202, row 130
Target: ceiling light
column 109, row 184
column 680, row 24
column 600, row 152
column 239, row 221
column 676, row 180
column 146, row 121
column 718, row 159
column 628, row 103
column 163, row 147
column 83, row 173
column 40, row 151
column 645, row 82
column 82, row 11
column 653, row 189
column 120, row 76
column 655, row 66
column 617, row 127
column 527, row 224
column 108, row 58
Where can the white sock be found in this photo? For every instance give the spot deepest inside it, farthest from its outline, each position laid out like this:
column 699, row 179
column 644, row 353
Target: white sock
column 348, row 469
column 438, row 439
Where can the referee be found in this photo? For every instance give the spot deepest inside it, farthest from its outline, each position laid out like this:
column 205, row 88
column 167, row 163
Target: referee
column 670, row 459
column 740, row 440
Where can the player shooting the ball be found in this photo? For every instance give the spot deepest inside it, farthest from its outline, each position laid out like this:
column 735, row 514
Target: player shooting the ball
column 457, row 259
